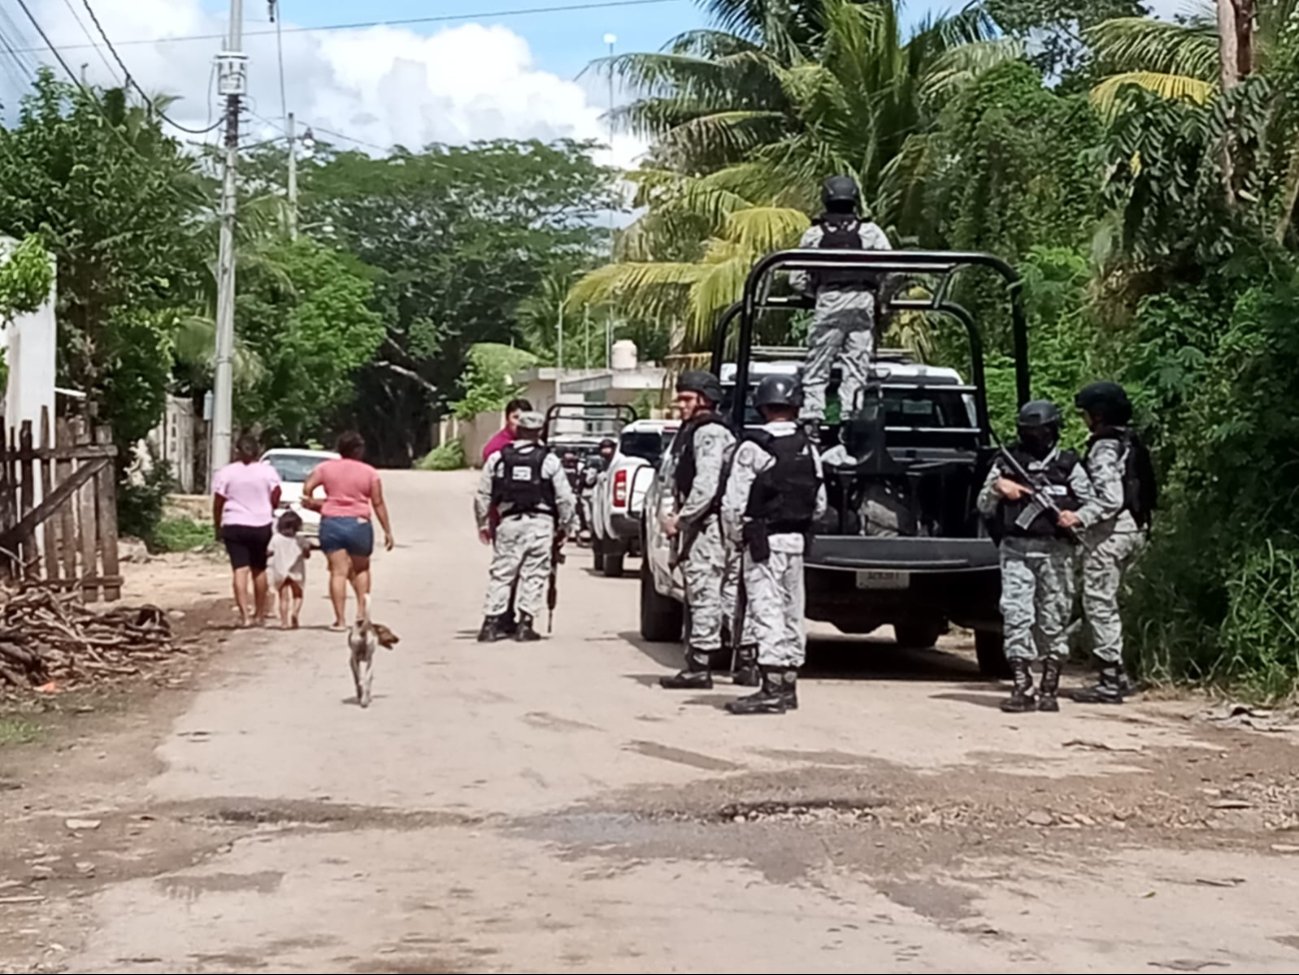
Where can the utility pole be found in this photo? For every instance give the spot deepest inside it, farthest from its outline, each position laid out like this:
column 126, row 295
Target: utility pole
column 232, row 66
column 611, row 40
column 293, row 177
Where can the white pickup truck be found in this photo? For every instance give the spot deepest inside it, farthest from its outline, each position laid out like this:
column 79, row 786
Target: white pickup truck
column 619, row 495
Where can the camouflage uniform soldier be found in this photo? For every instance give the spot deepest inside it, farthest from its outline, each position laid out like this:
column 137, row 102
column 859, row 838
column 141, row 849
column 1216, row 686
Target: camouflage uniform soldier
column 843, row 326
column 525, row 485
column 1036, row 552
column 698, row 456
column 773, row 496
column 1123, row 482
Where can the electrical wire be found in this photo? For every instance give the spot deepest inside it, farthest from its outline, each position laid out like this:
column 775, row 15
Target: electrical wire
column 404, row 22
column 130, row 80
column 85, row 30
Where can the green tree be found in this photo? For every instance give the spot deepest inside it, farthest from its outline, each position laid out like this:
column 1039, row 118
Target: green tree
column 117, row 203
column 460, row 237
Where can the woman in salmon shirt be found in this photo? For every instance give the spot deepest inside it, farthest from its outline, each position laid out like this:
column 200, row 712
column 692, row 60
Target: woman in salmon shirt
column 353, row 496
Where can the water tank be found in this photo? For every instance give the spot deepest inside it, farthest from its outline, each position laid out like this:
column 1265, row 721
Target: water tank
column 625, row 356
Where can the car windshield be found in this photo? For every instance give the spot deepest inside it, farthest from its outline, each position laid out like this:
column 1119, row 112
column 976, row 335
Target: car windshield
column 294, row 468
column 648, row 445
column 931, row 406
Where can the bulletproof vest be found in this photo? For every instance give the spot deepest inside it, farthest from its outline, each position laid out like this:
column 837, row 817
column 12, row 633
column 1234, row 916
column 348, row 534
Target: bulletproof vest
column 683, row 452
column 1054, row 477
column 1140, row 484
column 783, row 496
column 518, row 486
column 842, row 231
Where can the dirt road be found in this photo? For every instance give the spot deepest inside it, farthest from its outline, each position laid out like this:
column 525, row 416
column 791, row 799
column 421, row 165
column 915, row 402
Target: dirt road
column 548, row 808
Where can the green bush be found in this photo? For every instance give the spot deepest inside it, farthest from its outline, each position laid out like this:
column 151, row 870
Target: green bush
column 181, row 535
column 140, row 503
column 449, row 456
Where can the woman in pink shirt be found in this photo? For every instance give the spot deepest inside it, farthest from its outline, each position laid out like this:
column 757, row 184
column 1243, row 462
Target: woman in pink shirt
column 245, row 495
column 353, row 495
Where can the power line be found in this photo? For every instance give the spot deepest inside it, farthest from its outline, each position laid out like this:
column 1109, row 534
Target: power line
column 130, row 80
column 275, row 12
column 80, row 23
column 350, row 138
column 362, row 25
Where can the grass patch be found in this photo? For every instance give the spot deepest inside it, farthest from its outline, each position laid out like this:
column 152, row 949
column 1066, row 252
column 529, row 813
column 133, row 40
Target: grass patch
column 182, row 535
column 18, row 731
column 448, row 457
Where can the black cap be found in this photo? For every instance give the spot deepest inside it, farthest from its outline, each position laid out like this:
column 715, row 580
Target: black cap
column 841, row 194
column 778, row 391
column 700, row 381
column 1105, row 400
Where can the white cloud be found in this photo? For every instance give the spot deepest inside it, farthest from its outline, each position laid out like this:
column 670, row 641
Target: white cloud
column 383, row 85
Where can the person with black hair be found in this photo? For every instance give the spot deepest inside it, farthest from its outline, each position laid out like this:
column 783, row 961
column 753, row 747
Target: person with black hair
column 514, row 409
column 843, row 325
column 245, row 495
column 1123, row 481
column 287, row 556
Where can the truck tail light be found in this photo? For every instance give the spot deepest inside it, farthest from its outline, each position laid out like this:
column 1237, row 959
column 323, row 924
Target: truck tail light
column 620, row 488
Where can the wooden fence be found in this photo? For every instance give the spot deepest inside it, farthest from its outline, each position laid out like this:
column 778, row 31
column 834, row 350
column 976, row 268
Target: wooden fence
column 58, row 507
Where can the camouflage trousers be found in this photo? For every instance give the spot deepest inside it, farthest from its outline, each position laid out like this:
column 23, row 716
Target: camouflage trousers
column 1102, row 577
column 735, row 600
column 843, row 329
column 521, row 555
column 705, row 576
column 1036, row 597
column 775, row 608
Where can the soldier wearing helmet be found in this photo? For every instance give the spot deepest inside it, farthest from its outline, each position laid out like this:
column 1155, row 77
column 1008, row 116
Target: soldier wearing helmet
column 1123, row 482
column 843, row 325
column 774, row 494
column 697, row 459
column 1036, row 549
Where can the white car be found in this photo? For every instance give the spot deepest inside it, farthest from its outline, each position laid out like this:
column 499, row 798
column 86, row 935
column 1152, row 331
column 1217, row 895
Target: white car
column 620, row 492
column 294, row 465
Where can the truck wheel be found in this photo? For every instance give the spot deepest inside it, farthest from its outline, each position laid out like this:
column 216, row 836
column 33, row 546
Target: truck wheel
column 597, row 552
column 918, row 636
column 611, row 564
column 661, row 617
column 990, row 648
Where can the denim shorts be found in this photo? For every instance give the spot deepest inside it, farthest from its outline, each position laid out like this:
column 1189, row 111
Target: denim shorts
column 355, row 536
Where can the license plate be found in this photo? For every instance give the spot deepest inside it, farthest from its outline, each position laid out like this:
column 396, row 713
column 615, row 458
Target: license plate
column 881, row 579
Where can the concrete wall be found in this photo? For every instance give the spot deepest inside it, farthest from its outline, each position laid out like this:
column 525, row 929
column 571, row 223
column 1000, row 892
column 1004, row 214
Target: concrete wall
column 30, row 343
column 176, row 440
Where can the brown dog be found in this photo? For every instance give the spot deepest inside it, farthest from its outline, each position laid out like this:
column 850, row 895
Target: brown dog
column 363, row 639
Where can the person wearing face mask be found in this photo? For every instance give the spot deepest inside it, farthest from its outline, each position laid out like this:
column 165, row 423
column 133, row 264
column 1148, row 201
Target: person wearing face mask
column 1020, row 502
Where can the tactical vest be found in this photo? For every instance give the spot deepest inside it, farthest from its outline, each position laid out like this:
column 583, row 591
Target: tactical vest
column 1054, row 477
column 783, row 497
column 683, row 452
column 518, row 486
column 842, row 231
column 1140, row 485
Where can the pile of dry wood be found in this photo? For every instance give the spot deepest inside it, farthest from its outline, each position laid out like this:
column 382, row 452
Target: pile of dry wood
column 51, row 639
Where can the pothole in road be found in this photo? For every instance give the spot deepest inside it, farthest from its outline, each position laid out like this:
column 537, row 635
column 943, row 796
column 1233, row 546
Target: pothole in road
column 811, row 811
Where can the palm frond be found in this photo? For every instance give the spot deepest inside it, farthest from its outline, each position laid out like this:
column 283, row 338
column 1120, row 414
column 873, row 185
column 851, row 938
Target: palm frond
column 1107, row 96
column 760, row 230
column 1126, row 44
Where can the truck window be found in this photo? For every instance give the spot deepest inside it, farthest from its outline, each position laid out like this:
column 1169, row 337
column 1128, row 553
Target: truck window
column 645, row 444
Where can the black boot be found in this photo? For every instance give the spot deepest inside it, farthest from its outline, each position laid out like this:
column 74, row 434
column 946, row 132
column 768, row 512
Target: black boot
column 695, row 677
column 789, row 690
column 769, row 700
column 1110, row 688
column 524, row 633
column 1046, row 692
column 746, row 666
column 1021, row 694
column 506, row 622
column 491, row 631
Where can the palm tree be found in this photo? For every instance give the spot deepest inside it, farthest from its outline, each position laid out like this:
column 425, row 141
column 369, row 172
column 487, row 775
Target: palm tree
column 749, row 119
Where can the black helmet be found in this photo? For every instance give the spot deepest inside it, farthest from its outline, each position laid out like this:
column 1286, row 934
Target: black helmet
column 1106, row 401
column 1039, row 426
column 841, row 194
column 700, row 381
column 778, row 391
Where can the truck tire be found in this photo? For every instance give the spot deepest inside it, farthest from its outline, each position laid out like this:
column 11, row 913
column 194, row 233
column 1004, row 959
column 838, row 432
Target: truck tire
column 597, row 552
column 611, row 564
column 990, row 649
column 918, row 636
column 660, row 616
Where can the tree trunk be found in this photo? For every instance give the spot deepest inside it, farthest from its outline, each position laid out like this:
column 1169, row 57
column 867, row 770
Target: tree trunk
column 1228, row 45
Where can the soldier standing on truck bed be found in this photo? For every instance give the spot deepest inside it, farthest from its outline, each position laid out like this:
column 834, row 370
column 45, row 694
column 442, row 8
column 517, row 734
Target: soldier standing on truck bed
column 525, row 485
column 1036, row 549
column 843, row 325
column 698, row 456
column 773, row 496
column 1123, row 481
